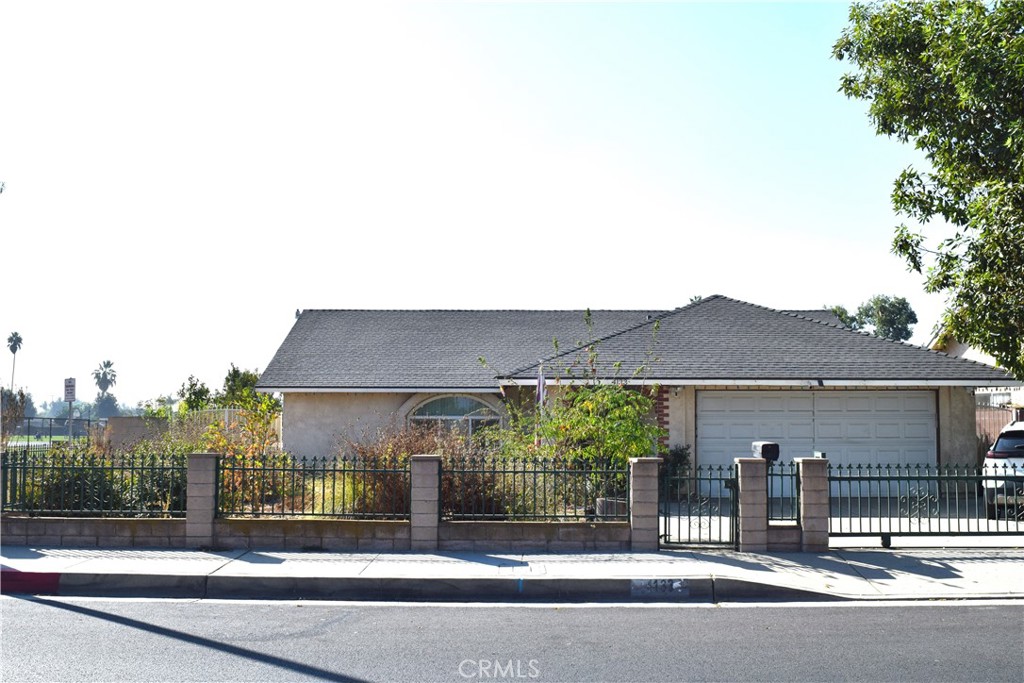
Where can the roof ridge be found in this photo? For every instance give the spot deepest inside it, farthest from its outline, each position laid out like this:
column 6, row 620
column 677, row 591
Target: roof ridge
column 838, row 328
column 649, row 321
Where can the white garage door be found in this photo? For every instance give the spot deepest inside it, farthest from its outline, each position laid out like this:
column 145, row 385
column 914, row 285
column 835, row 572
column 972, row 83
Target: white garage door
column 869, row 427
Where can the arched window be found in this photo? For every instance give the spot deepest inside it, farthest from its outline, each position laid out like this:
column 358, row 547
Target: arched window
column 462, row 412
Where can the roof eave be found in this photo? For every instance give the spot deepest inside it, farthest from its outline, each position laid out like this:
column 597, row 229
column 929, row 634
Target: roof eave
column 378, row 390
column 823, row 382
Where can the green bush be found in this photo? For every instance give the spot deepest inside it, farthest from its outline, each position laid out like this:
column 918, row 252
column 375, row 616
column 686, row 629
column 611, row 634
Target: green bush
column 65, row 480
column 77, row 480
column 161, row 485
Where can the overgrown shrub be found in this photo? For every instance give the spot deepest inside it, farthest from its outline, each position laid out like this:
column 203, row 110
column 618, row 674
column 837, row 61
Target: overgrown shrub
column 678, row 457
column 72, row 483
column 159, row 479
column 381, row 487
column 392, row 448
column 470, row 489
column 250, row 437
column 256, row 477
column 77, row 480
column 266, row 484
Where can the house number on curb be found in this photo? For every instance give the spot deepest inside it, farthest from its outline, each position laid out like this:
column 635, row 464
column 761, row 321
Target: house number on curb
column 674, row 587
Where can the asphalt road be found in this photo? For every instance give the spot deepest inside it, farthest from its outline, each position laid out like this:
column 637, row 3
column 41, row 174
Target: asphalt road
column 66, row 639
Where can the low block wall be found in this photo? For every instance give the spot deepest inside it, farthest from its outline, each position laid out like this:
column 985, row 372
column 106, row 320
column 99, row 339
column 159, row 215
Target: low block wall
column 321, row 534
column 534, row 536
column 122, row 432
column 78, row 532
column 311, row 534
column 425, row 532
column 785, row 537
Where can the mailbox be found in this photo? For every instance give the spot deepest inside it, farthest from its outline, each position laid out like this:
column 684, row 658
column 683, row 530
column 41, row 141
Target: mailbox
column 768, row 450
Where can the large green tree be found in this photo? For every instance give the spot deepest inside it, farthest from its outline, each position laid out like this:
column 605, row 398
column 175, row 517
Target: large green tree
column 105, row 406
column 240, row 391
column 885, row 316
column 239, row 387
column 948, row 76
column 195, row 395
column 12, row 411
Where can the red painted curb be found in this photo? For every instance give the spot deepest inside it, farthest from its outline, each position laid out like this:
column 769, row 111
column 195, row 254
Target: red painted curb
column 35, row 583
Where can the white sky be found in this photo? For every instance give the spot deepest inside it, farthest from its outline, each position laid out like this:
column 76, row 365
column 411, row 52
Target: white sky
column 181, row 176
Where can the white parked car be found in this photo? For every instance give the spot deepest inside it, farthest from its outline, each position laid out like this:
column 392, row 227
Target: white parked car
column 1003, row 473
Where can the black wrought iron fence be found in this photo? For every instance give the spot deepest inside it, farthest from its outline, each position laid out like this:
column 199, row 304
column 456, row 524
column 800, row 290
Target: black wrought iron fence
column 280, row 486
column 490, row 488
column 697, row 505
column 907, row 500
column 71, row 483
column 783, row 492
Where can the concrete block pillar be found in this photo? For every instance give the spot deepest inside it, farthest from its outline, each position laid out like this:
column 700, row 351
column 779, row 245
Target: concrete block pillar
column 643, row 504
column 752, row 480
column 201, row 510
column 426, row 501
column 814, row 503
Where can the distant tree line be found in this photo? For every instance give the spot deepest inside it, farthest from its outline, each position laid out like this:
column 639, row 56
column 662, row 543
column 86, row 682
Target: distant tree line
column 883, row 316
column 239, row 390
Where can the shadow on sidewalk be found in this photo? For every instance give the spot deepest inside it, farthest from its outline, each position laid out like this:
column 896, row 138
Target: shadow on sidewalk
column 865, row 564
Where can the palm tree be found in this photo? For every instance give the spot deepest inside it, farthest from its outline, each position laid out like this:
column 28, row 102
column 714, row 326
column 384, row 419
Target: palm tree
column 14, row 344
column 105, row 376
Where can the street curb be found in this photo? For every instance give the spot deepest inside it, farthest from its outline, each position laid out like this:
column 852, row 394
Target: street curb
column 461, row 589
column 214, row 586
column 34, row 583
column 133, row 585
column 710, row 590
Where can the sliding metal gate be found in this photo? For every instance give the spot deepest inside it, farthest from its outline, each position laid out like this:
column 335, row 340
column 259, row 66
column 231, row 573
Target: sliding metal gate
column 925, row 500
column 697, row 506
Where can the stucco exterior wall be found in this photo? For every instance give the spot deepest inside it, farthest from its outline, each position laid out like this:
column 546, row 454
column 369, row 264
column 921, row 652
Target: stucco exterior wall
column 958, row 441
column 314, row 424
column 682, row 417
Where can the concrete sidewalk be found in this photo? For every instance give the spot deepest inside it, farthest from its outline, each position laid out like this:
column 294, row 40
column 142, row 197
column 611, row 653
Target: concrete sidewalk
column 669, row 575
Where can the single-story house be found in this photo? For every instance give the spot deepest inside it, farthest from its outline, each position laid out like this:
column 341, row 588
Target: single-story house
column 725, row 373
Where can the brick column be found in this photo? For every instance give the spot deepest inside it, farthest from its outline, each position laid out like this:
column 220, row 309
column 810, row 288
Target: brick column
column 661, row 413
column 751, row 474
column 814, row 503
column 426, row 501
column 643, row 504
column 202, row 499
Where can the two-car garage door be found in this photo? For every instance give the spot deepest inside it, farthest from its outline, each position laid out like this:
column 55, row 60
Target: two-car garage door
column 870, row 427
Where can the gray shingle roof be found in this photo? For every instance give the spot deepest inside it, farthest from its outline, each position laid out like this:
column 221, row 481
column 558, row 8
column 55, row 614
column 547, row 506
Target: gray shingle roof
column 367, row 349
column 819, row 315
column 718, row 338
